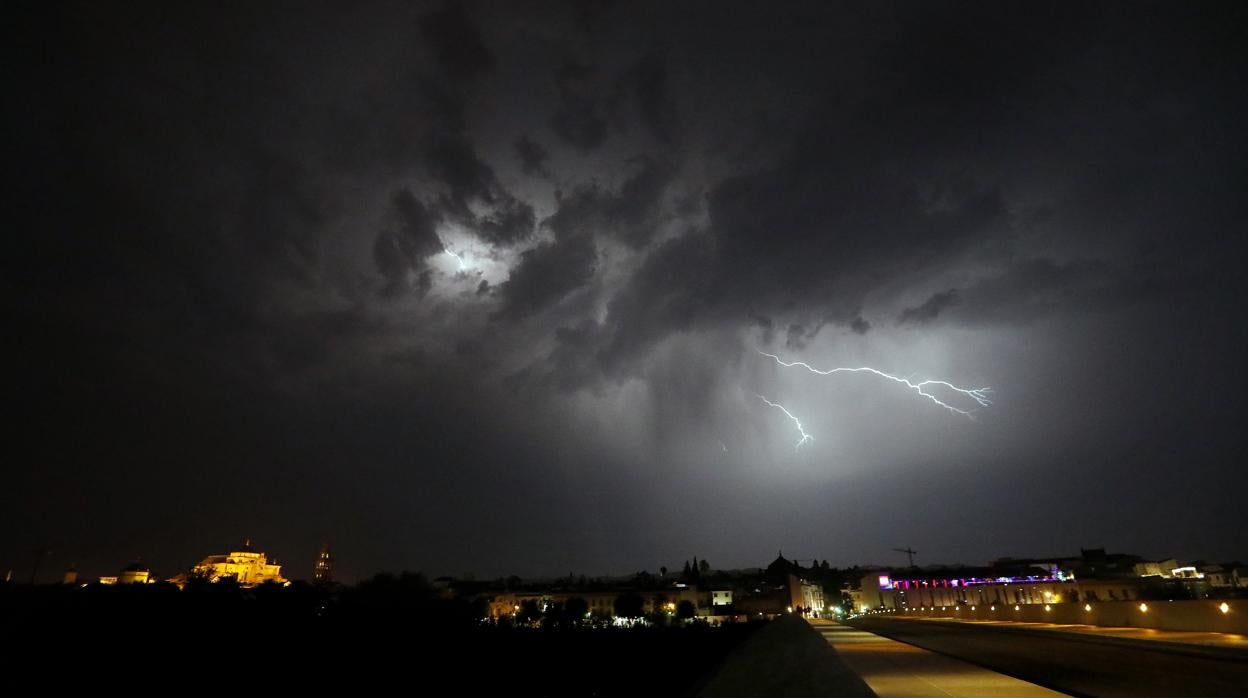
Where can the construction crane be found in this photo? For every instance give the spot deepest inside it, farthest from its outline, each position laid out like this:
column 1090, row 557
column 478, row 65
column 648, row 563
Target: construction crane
column 909, row 553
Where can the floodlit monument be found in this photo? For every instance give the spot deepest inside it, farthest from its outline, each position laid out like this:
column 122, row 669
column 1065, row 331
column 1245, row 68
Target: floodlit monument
column 247, row 566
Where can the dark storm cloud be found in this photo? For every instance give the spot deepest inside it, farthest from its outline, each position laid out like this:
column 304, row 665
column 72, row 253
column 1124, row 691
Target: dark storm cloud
column 470, row 180
column 579, row 118
column 930, row 309
column 455, row 162
column 1026, row 290
column 799, row 335
column 671, row 292
column 658, row 110
column 781, row 237
column 631, row 215
column 822, row 224
column 532, row 156
column 450, row 157
column 400, row 251
column 546, row 274
column 1029, row 289
column 512, row 221
column 226, row 216
column 457, row 42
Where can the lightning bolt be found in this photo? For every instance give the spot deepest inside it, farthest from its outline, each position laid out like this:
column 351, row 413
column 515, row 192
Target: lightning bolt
column 805, row 437
column 979, row 395
column 459, row 259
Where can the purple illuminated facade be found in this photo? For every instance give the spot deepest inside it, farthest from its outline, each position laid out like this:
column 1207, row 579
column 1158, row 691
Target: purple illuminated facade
column 879, row 590
column 886, row 582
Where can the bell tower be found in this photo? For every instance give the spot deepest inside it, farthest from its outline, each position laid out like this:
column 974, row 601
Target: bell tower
column 323, row 572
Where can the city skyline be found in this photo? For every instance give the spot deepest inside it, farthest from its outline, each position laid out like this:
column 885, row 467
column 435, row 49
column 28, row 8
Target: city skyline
column 322, row 569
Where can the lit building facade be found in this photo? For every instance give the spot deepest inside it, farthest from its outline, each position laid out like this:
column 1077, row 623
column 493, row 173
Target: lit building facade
column 1225, row 577
column 787, row 588
column 135, row 573
column 248, row 567
column 602, row 603
column 882, row 590
column 812, row 598
column 598, row 603
column 1158, row 568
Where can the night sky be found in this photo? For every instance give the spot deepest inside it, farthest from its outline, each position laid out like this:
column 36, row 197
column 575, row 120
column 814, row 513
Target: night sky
column 482, row 287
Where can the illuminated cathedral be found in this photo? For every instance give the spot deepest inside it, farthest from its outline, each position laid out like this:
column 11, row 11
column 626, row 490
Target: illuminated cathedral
column 248, row 567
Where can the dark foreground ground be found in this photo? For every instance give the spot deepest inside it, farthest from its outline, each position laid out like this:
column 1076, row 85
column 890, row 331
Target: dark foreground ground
column 296, row 643
column 1074, row 665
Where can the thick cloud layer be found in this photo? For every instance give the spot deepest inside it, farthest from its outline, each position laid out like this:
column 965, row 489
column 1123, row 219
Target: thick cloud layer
column 465, row 287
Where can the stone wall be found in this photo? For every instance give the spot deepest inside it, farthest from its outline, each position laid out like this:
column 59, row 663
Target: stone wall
column 1201, row 616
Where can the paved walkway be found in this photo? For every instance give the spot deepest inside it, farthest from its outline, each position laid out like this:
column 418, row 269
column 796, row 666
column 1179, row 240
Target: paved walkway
column 1225, row 640
column 894, row 668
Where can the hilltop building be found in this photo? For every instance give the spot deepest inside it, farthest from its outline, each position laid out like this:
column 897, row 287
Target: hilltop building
column 248, row 567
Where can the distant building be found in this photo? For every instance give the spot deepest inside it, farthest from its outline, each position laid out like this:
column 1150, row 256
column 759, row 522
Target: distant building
column 71, row 576
column 248, row 567
column 601, row 603
column 781, row 568
column 724, row 596
column 1160, row 568
column 785, row 588
column 1092, row 576
column 323, row 571
column 811, row 595
column 1186, row 572
column 598, row 603
column 1199, row 577
column 1229, row 576
column 135, row 573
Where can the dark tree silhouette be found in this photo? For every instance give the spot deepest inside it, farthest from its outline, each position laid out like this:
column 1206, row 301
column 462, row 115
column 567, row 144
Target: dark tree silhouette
column 685, row 609
column 529, row 611
column 554, row 615
column 629, row 605
column 197, row 580
column 576, row 608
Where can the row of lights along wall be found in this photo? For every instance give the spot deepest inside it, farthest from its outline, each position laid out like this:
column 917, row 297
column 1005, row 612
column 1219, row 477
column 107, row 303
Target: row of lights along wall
column 1223, row 607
